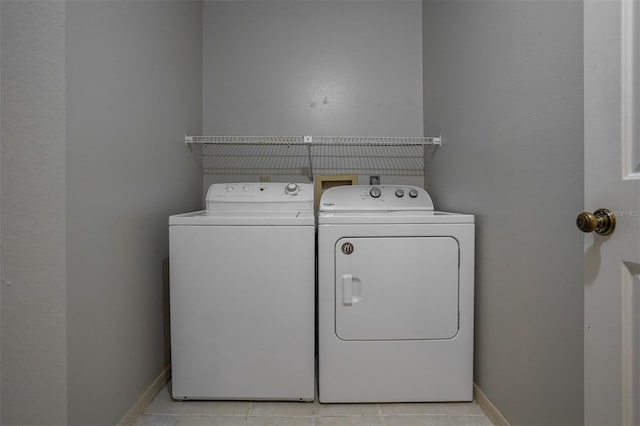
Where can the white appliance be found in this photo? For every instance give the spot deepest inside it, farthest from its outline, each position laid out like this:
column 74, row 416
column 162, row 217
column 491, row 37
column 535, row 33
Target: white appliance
column 242, row 287
column 395, row 297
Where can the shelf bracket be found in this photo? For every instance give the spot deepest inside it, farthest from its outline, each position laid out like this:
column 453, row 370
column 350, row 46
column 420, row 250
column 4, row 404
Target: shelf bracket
column 308, row 140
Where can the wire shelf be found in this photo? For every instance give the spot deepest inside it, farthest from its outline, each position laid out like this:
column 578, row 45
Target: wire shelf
column 314, row 140
column 244, row 140
column 232, row 159
column 406, row 160
column 308, row 155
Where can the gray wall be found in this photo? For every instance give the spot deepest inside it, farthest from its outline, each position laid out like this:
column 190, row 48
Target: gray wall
column 33, row 255
column 0, row 213
column 503, row 83
column 96, row 99
column 134, row 75
column 288, row 67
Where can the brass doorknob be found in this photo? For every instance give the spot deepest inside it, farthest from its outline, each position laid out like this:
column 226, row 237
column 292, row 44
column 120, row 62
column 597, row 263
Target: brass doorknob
column 602, row 222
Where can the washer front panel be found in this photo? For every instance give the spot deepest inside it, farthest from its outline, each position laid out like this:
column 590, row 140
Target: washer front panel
column 242, row 323
column 396, row 288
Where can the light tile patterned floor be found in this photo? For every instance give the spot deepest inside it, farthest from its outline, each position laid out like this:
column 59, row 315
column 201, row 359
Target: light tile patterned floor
column 163, row 411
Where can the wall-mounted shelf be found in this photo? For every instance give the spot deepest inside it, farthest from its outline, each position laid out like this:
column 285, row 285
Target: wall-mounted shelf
column 309, row 155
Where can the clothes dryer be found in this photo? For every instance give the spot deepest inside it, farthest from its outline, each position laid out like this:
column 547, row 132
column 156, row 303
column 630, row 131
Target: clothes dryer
column 395, row 297
column 242, row 294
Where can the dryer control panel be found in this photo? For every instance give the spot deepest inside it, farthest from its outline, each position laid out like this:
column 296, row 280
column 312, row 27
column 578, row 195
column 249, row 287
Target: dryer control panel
column 375, row 197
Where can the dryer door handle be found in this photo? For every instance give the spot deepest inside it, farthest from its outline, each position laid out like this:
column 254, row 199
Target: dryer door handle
column 351, row 290
column 347, row 289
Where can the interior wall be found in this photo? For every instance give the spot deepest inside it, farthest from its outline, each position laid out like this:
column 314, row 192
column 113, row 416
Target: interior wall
column 288, row 67
column 0, row 215
column 503, row 84
column 32, row 184
column 134, row 88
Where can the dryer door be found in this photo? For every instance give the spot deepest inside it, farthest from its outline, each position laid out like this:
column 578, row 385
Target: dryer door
column 396, row 288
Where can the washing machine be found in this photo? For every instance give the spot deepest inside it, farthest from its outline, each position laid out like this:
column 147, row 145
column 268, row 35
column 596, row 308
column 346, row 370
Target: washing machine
column 242, row 294
column 395, row 297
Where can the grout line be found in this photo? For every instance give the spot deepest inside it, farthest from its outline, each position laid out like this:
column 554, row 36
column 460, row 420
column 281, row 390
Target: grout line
column 384, row 420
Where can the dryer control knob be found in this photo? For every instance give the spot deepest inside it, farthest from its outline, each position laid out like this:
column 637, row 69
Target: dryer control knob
column 375, row 192
column 291, row 188
column 399, row 193
column 413, row 193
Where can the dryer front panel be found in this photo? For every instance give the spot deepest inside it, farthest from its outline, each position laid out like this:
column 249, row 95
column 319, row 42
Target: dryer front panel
column 396, row 288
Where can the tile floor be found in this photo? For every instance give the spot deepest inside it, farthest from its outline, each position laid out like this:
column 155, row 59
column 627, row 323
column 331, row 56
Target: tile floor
column 163, row 411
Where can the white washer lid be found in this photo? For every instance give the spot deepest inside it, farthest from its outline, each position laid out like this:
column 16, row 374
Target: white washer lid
column 244, row 218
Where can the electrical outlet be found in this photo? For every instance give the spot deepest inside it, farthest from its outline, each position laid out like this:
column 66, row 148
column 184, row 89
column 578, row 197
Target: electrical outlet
column 374, row 180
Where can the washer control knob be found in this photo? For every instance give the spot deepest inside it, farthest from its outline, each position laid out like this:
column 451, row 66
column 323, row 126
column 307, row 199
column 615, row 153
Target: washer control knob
column 399, row 193
column 229, row 188
column 375, row 192
column 413, row 193
column 291, row 188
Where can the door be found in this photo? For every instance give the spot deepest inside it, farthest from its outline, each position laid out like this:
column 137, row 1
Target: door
column 397, row 288
column 612, row 180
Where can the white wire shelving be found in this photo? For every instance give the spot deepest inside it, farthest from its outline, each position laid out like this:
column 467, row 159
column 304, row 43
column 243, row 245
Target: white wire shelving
column 309, row 155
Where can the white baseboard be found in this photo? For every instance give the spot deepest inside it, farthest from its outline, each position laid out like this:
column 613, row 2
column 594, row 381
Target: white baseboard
column 145, row 399
column 489, row 409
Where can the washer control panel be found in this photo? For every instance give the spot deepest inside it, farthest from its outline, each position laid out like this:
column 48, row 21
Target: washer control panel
column 375, row 197
column 241, row 195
